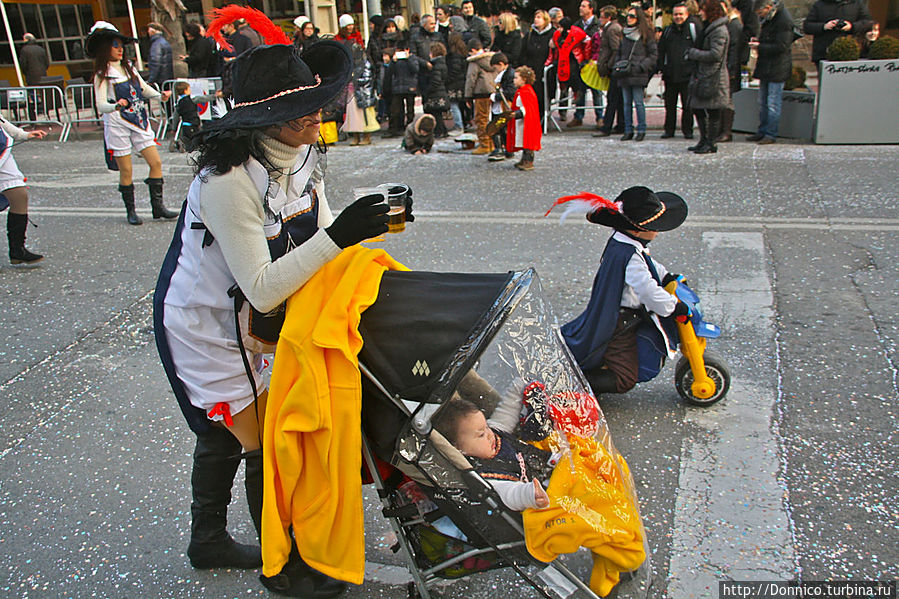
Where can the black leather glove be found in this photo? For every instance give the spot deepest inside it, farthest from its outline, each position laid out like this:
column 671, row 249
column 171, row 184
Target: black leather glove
column 671, row 276
column 364, row 218
column 682, row 312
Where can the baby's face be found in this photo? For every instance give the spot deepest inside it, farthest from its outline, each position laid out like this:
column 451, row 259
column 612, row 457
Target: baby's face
column 475, row 438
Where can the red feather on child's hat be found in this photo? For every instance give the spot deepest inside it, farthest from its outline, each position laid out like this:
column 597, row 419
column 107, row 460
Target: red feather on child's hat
column 219, row 17
column 584, row 203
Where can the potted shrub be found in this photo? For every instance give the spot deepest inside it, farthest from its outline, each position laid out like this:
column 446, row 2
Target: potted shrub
column 843, row 49
column 885, row 48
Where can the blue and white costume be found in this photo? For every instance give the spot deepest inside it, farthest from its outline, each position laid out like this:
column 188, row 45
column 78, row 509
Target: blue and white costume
column 125, row 129
column 245, row 228
column 10, row 175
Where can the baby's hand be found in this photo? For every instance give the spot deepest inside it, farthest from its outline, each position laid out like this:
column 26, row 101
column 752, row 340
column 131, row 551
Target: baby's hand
column 540, row 495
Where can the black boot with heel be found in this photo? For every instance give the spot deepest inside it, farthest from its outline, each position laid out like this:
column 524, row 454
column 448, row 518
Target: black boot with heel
column 159, row 209
column 15, row 234
column 216, row 459
column 127, row 192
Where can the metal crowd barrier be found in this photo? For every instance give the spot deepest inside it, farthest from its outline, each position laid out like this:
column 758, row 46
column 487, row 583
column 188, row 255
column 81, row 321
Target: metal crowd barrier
column 555, row 103
column 171, row 118
column 25, row 105
column 80, row 96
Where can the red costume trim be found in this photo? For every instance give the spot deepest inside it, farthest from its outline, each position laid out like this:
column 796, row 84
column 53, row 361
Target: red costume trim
column 575, row 36
column 224, row 410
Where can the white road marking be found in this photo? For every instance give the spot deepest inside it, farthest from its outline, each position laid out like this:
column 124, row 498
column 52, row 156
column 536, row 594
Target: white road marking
column 535, row 218
column 730, row 517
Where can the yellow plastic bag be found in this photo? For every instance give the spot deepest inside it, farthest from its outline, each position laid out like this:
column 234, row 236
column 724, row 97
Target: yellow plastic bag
column 328, row 132
column 590, row 76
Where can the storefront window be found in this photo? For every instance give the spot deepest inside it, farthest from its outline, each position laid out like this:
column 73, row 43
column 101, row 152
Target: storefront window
column 60, row 28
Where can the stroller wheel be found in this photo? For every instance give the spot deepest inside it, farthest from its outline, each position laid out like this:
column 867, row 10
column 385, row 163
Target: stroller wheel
column 717, row 370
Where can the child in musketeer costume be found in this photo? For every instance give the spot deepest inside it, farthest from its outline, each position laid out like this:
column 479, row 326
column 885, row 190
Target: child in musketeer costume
column 122, row 98
column 614, row 341
column 14, row 193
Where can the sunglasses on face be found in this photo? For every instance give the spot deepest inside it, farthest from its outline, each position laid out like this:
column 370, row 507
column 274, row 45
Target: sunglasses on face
column 116, row 43
column 630, row 16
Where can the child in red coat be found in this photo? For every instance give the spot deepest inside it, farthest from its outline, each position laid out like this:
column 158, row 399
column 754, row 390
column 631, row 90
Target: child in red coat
column 523, row 130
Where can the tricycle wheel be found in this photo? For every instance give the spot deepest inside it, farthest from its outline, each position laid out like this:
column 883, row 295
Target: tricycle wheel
column 717, row 370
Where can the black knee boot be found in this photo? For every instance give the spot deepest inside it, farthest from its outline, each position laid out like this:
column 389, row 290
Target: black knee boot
column 216, row 459
column 127, row 192
column 159, row 209
column 253, row 486
column 712, row 127
column 727, row 125
column 15, row 234
column 702, row 123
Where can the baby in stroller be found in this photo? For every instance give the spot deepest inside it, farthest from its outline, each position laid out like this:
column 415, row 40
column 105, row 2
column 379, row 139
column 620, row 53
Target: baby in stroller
column 498, row 457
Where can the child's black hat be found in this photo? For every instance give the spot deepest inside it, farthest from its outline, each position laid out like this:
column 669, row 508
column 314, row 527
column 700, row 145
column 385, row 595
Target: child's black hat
column 641, row 209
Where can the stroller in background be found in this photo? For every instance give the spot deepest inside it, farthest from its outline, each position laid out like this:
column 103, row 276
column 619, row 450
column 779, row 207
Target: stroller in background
column 429, row 337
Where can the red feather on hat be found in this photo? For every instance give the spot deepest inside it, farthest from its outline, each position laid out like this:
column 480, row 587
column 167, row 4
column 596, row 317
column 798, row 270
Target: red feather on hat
column 584, row 203
column 271, row 33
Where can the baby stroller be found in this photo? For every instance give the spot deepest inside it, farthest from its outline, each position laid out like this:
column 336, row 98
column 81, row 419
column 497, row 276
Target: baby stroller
column 431, row 337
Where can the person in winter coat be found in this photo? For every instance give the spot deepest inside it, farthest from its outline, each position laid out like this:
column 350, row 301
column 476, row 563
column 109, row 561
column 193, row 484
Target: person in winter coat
column 348, row 31
column 773, row 67
column 478, row 87
column 361, row 117
column 160, row 61
column 507, row 38
column 34, row 60
column 829, row 19
column 305, row 35
column 535, row 51
column 567, row 54
column 456, row 70
column 589, row 22
column 390, row 36
column 437, row 100
column 523, row 130
column 475, row 24
column 425, row 36
column 419, row 135
column 609, row 43
column 402, row 79
column 638, row 46
column 709, row 87
column 734, row 69
column 681, row 35
column 199, row 57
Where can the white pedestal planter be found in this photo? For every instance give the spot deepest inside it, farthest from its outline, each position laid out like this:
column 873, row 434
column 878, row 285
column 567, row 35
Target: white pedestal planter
column 796, row 118
column 858, row 102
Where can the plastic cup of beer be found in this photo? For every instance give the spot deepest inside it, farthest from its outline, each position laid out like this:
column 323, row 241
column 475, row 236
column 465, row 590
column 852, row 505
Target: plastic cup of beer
column 396, row 200
column 364, row 192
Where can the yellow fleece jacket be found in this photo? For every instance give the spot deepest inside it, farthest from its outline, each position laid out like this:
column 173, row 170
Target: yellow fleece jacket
column 312, row 442
column 592, row 507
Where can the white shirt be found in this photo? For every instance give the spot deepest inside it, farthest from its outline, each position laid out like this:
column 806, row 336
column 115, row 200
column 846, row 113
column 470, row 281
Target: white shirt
column 640, row 289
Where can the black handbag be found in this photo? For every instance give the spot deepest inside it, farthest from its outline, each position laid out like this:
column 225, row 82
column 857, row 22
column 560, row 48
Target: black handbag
column 622, row 68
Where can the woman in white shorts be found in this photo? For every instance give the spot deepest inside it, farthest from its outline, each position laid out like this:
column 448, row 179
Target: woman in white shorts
column 12, row 186
column 256, row 221
column 122, row 98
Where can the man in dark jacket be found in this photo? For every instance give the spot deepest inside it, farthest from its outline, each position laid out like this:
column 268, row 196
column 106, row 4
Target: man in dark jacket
column 773, row 67
column 427, row 35
column 239, row 42
column 34, row 60
column 829, row 19
column 160, row 61
column 677, row 38
column 589, row 22
column 476, row 24
column 608, row 51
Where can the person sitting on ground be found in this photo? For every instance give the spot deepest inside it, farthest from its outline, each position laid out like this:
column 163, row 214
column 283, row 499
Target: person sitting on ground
column 419, row 137
column 523, row 131
column 604, row 338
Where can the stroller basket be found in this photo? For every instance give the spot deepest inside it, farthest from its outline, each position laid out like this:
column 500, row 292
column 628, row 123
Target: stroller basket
column 434, row 337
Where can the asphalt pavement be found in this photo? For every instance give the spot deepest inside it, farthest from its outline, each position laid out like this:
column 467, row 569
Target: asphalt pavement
column 793, row 248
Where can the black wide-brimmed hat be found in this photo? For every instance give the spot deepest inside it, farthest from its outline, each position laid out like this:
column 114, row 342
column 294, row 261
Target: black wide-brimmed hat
column 275, row 84
column 641, row 209
column 102, row 32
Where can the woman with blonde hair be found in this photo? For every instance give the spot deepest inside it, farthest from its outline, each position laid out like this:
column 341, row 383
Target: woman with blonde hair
column 507, row 38
column 535, row 51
